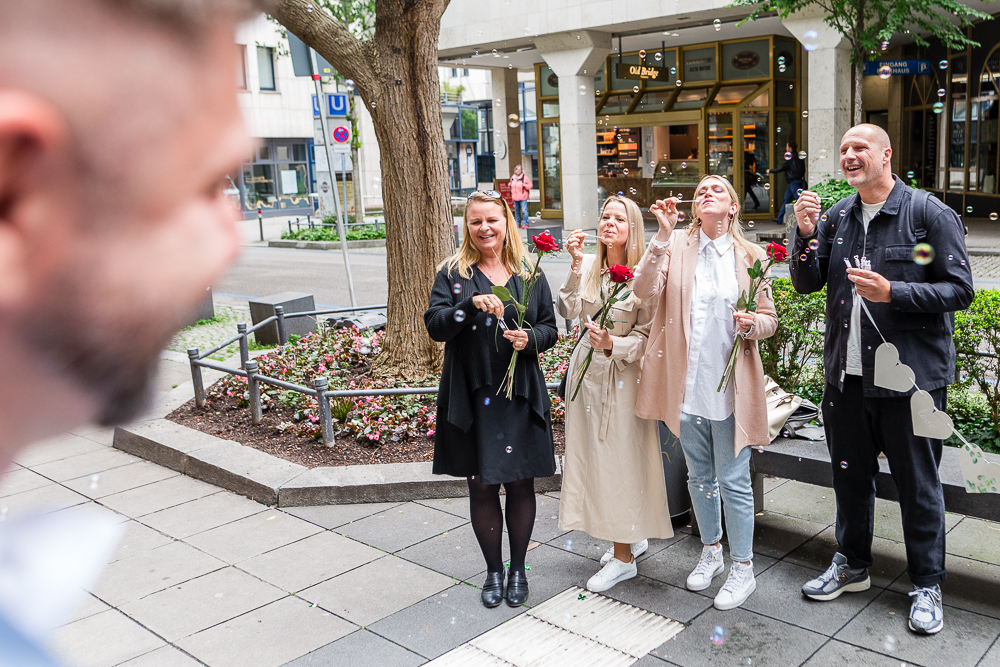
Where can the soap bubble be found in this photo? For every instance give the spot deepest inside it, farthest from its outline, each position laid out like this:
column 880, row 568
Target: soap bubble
column 803, row 257
column 718, row 635
column 843, row 212
column 673, row 70
column 495, row 54
column 767, row 186
column 459, row 316
column 788, row 155
column 840, row 241
column 309, row 8
column 938, row 107
column 941, row 92
column 781, row 60
column 679, row 83
column 889, row 643
column 810, row 40
column 680, row 216
column 884, row 72
column 910, row 174
column 513, row 120
column 684, row 165
column 486, row 401
column 657, row 56
column 718, row 24
column 923, row 254
column 373, row 105
column 624, row 171
column 456, row 288
column 663, row 170
column 632, row 191
column 509, row 449
column 635, row 89
column 93, row 481
column 884, row 45
column 943, row 64
column 993, row 215
column 349, row 84
column 569, row 545
column 642, row 53
column 814, row 244
column 802, row 155
column 968, row 209
column 781, row 68
column 798, row 193
column 805, row 114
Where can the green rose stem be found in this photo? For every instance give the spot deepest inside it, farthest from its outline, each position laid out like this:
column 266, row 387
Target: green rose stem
column 603, row 323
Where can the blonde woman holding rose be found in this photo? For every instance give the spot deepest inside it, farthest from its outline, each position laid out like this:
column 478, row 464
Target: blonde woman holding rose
column 694, row 278
column 612, row 486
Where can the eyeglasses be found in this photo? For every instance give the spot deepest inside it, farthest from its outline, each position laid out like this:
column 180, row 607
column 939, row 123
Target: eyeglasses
column 489, row 193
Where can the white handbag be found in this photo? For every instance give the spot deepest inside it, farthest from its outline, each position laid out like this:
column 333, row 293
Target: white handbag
column 780, row 406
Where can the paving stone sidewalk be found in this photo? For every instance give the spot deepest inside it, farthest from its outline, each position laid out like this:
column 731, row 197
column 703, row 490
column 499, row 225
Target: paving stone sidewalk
column 206, row 577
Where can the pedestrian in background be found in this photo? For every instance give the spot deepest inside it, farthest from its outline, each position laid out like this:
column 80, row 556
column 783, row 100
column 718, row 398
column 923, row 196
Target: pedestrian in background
column 481, row 434
column 520, row 189
column 794, row 169
column 876, row 231
column 694, row 278
column 613, row 486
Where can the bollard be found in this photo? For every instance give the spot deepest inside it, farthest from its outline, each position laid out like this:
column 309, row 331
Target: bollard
column 260, row 221
column 325, row 418
column 199, row 385
column 376, row 225
column 310, row 223
column 279, row 312
column 244, row 345
column 309, row 218
column 253, row 387
column 290, row 226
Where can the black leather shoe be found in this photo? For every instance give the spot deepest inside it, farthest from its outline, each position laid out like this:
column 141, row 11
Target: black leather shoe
column 493, row 589
column 517, row 588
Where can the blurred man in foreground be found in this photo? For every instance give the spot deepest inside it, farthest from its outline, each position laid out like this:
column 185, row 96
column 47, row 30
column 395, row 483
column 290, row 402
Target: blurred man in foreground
column 118, row 125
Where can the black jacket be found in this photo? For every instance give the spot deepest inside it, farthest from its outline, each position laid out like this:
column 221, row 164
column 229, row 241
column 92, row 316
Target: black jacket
column 469, row 341
column 919, row 319
column 794, row 168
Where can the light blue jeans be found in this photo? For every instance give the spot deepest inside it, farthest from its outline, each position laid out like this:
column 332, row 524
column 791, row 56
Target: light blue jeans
column 521, row 212
column 708, row 448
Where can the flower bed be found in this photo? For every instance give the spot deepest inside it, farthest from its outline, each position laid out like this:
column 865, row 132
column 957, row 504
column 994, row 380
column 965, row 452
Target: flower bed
column 371, row 429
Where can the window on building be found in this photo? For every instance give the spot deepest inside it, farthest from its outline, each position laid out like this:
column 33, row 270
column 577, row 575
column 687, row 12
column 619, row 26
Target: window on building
column 265, row 67
column 241, row 67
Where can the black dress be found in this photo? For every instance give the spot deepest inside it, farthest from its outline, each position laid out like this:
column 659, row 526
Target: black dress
column 479, row 431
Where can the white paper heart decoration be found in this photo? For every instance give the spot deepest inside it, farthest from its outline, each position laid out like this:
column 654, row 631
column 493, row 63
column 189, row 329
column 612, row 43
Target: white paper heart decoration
column 980, row 475
column 928, row 421
column 889, row 373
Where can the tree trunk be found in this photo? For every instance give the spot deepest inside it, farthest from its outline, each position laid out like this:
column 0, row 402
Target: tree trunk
column 396, row 75
column 356, row 175
column 859, row 71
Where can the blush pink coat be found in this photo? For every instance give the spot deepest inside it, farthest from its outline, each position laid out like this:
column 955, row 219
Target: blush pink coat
column 666, row 279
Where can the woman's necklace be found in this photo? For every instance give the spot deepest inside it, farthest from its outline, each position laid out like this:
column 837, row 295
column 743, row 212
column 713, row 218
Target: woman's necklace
column 489, row 274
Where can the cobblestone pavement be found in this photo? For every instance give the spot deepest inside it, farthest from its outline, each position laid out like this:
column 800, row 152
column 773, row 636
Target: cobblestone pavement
column 206, row 577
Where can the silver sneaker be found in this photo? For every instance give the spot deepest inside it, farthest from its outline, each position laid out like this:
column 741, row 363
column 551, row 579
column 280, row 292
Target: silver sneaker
column 638, row 549
column 926, row 612
column 839, row 578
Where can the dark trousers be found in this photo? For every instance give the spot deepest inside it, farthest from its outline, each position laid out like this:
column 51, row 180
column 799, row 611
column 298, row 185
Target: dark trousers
column 857, row 429
column 790, row 194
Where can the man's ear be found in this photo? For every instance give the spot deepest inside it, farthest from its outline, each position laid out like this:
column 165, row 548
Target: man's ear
column 31, row 130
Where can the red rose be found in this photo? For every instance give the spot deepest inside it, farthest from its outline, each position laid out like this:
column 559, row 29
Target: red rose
column 776, row 252
column 544, row 242
column 620, row 274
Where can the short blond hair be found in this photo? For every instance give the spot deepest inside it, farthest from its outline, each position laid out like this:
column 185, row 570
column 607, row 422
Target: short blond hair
column 513, row 255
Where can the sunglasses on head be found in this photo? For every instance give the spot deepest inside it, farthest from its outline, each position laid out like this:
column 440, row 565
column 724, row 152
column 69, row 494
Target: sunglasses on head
column 489, row 193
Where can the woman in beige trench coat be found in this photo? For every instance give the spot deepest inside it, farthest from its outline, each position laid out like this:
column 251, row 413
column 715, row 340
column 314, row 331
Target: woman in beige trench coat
column 612, row 486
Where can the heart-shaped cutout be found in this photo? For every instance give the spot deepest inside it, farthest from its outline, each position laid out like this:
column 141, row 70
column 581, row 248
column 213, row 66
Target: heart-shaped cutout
column 889, row 373
column 928, row 421
column 980, row 475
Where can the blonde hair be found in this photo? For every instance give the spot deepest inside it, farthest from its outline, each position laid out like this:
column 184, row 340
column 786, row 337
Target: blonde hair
column 512, row 256
column 735, row 225
column 635, row 246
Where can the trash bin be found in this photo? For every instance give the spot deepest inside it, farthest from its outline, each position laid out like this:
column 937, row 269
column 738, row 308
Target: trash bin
column 675, row 472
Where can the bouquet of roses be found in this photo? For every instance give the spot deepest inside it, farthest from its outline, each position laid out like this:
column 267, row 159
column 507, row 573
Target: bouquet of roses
column 748, row 302
column 544, row 244
column 620, row 275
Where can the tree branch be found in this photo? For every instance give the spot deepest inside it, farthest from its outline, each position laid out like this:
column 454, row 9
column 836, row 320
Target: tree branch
column 331, row 38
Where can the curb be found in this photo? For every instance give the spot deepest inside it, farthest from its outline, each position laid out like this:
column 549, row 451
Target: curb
column 326, row 245
column 274, row 481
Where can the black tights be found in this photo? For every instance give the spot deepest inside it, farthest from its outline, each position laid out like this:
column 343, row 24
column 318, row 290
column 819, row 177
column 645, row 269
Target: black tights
column 487, row 520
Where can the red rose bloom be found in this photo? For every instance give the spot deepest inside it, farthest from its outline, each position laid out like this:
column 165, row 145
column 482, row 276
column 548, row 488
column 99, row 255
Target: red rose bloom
column 544, row 242
column 777, row 252
column 620, row 274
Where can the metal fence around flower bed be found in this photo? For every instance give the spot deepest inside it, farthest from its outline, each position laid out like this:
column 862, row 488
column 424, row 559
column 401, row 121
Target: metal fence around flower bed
column 320, row 388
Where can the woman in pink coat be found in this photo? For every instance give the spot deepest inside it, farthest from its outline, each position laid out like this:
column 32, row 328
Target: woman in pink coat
column 695, row 277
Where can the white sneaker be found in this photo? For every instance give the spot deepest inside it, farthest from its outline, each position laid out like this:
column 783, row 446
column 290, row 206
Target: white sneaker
column 638, row 549
column 612, row 573
column 738, row 587
column 709, row 565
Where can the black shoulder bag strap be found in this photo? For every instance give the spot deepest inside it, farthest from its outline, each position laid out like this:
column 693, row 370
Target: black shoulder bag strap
column 918, row 214
column 561, row 391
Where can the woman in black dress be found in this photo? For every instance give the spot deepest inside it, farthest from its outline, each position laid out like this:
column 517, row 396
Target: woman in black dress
column 481, row 435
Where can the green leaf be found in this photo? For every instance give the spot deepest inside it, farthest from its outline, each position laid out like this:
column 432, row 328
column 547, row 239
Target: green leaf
column 625, row 295
column 520, row 307
column 502, row 292
column 741, row 304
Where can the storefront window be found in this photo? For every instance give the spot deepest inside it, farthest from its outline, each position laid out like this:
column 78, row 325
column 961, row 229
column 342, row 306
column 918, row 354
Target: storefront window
column 617, row 104
column 720, row 145
column 733, row 94
column 599, row 82
column 551, row 185
column 699, row 64
column 784, row 94
column 279, row 178
column 259, row 182
column 653, row 101
column 691, row 98
column 761, row 100
column 986, row 108
column 756, row 136
column 784, row 58
column 956, row 134
column 784, row 134
column 746, row 60
column 550, row 109
column 548, row 82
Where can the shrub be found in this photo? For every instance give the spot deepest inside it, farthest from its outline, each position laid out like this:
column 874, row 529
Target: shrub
column 970, row 411
column 362, row 233
column 793, row 356
column 834, row 190
column 977, row 342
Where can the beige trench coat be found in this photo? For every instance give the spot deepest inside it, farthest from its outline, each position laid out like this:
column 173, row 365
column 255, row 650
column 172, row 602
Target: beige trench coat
column 612, row 486
column 665, row 280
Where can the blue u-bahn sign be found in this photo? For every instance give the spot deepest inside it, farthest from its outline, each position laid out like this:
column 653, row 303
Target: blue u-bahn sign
column 336, row 105
column 898, row 67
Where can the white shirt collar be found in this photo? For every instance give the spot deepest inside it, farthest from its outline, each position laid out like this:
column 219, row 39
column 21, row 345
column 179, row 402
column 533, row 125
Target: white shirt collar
column 721, row 244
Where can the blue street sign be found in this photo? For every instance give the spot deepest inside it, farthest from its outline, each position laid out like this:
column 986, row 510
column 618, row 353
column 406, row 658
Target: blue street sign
column 336, row 105
column 898, row 67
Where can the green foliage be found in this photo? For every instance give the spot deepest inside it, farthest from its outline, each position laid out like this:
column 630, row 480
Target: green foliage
column 363, row 233
column 865, row 25
column 793, row 356
column 215, row 319
column 969, row 410
column 977, row 341
column 833, row 190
